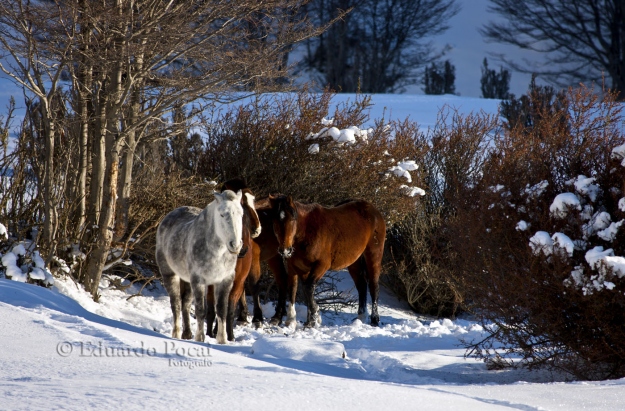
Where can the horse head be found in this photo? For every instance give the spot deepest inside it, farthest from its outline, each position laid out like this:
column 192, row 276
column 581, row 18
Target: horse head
column 284, row 223
column 247, row 201
column 229, row 219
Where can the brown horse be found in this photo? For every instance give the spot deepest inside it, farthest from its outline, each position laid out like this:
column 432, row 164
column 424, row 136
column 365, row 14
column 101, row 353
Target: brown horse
column 265, row 248
column 251, row 229
column 313, row 239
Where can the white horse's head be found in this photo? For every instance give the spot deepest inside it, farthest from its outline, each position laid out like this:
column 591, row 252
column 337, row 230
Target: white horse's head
column 229, row 220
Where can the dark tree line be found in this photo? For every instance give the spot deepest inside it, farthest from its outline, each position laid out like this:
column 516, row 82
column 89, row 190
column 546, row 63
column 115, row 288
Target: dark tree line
column 440, row 78
column 380, row 46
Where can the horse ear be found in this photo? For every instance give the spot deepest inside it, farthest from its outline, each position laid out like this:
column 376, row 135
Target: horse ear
column 289, row 200
column 239, row 195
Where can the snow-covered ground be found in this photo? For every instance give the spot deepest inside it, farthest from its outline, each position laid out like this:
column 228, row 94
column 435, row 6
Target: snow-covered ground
column 60, row 350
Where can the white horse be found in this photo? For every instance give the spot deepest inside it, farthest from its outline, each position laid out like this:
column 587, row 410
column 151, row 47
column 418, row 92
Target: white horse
column 196, row 248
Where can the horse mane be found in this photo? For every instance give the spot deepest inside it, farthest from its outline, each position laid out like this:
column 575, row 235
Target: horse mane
column 340, row 203
column 234, row 184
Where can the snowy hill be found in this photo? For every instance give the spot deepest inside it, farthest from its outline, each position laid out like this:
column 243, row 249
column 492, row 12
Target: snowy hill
column 63, row 351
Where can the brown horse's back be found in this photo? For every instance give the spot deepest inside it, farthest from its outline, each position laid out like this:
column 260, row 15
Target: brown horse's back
column 345, row 232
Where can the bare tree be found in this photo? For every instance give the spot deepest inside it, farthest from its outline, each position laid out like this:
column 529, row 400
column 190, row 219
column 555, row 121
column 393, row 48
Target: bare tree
column 380, row 46
column 130, row 63
column 582, row 40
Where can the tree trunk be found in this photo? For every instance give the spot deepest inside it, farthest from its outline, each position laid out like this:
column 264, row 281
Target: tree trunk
column 124, row 189
column 49, row 203
column 99, row 255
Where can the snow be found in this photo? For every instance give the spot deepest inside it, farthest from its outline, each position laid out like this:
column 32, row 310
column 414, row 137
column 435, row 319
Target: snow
column 58, row 352
column 609, row 233
column 536, row 190
column 9, row 261
column 563, row 242
column 300, row 349
column 618, row 152
column 541, row 242
column 599, row 259
column 411, row 191
column 563, row 203
column 584, row 186
column 400, row 172
column 408, row 165
column 313, row 149
column 522, row 225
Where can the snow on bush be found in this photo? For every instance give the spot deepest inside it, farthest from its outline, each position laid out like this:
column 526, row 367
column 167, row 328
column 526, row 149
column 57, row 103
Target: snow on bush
column 541, row 242
column 603, row 263
column 584, row 186
column 411, row 191
column 23, row 263
column 536, row 190
column 563, row 244
column 563, row 203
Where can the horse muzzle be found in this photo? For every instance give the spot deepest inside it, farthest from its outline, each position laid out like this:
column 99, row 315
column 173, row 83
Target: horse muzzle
column 286, row 252
column 234, row 248
column 243, row 252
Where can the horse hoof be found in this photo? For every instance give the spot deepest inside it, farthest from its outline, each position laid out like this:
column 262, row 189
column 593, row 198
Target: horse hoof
column 187, row 335
column 242, row 322
column 310, row 324
column 257, row 324
column 275, row 321
column 375, row 322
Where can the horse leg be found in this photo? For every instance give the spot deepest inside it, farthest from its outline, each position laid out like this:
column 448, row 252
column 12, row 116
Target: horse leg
column 280, row 276
column 312, row 317
column 373, row 261
column 356, row 271
column 243, row 311
column 172, row 284
column 187, row 298
column 210, row 310
column 199, row 293
column 254, row 282
column 222, row 293
column 291, row 319
column 233, row 298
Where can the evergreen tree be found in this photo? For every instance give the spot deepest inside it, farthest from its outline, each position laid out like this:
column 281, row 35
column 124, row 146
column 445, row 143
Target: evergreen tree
column 493, row 84
column 439, row 80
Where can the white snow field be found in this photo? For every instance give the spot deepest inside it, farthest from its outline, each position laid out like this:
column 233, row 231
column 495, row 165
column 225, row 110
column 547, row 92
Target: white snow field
column 60, row 350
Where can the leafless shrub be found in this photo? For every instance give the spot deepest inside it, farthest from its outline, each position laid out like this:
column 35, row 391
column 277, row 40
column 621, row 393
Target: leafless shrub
column 419, row 246
column 530, row 303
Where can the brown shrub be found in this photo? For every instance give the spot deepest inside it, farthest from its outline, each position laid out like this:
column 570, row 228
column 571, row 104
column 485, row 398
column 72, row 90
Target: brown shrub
column 418, row 246
column 266, row 142
column 530, row 303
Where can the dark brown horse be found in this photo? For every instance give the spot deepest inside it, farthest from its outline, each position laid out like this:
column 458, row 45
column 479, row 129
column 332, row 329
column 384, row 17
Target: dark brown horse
column 313, row 239
column 265, row 248
column 251, row 229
